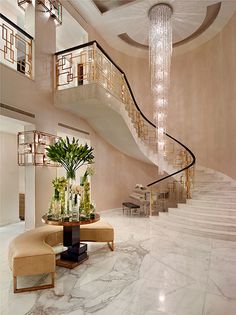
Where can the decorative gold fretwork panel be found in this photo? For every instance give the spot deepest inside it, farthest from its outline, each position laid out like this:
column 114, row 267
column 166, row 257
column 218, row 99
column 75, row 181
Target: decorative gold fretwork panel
column 15, row 48
column 32, row 148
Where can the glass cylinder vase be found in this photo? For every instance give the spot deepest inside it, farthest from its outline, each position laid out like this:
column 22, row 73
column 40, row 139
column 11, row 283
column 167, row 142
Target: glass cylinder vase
column 69, row 194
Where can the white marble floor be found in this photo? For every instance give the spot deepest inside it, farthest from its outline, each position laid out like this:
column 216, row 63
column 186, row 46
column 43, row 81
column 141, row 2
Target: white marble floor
column 153, row 271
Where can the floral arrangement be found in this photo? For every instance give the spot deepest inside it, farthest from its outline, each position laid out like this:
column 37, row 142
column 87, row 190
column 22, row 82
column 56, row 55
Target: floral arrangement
column 77, row 189
column 89, row 172
column 70, row 200
column 57, row 205
column 59, row 184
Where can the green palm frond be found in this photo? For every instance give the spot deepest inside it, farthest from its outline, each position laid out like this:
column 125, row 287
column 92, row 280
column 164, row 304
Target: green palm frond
column 71, row 155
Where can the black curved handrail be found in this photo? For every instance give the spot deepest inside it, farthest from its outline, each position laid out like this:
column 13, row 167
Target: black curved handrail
column 15, row 26
column 136, row 105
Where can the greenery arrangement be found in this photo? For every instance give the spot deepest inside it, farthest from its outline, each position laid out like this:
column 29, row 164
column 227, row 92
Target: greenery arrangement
column 68, row 196
column 59, row 184
column 86, row 207
column 89, row 172
column 57, row 204
column 71, row 155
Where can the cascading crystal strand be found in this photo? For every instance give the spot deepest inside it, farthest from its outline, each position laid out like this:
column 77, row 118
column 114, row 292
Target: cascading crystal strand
column 160, row 51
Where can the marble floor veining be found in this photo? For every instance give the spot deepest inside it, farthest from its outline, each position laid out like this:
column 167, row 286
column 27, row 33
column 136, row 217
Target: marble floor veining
column 152, row 271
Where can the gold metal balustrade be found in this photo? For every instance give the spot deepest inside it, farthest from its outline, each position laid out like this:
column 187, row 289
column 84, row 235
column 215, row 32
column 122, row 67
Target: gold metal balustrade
column 15, row 47
column 89, row 65
column 169, row 192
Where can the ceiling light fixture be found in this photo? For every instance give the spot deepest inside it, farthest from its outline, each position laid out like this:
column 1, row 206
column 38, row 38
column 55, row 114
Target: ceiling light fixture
column 23, row 3
column 160, row 52
column 53, row 8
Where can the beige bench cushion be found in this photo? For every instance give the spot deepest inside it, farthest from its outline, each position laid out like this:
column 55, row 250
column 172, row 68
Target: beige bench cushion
column 100, row 231
column 31, row 252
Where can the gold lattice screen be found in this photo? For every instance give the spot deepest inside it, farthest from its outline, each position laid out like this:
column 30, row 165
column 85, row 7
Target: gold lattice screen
column 15, row 47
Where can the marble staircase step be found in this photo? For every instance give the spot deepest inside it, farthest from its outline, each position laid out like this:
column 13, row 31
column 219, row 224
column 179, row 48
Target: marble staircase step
column 202, row 223
column 219, row 198
column 210, row 204
column 214, row 186
column 216, row 189
column 230, row 193
column 193, row 230
column 210, row 213
column 204, row 171
column 213, row 217
column 210, row 210
column 200, row 181
column 208, row 178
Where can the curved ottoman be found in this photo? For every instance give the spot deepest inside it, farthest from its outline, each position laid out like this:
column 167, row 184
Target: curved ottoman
column 99, row 231
column 31, row 253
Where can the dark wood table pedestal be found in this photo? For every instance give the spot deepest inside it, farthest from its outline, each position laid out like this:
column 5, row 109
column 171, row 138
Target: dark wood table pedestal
column 76, row 252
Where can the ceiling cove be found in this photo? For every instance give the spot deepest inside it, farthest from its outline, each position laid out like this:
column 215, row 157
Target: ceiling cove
column 107, row 5
column 211, row 14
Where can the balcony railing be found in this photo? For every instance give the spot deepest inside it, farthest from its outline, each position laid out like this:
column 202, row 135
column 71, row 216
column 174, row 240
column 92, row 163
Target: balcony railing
column 15, row 47
column 88, row 64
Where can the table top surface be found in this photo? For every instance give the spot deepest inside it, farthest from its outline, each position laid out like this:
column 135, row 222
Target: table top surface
column 70, row 223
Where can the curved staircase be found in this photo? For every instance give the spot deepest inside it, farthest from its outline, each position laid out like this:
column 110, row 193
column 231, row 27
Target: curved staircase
column 211, row 212
column 90, row 84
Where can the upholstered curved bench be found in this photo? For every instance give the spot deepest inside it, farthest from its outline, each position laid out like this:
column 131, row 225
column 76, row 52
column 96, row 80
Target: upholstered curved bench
column 99, row 231
column 31, row 253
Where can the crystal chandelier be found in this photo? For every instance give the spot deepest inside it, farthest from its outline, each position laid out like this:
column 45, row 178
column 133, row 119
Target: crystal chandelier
column 160, row 51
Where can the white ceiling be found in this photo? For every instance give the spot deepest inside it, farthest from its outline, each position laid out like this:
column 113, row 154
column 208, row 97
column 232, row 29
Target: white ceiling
column 132, row 18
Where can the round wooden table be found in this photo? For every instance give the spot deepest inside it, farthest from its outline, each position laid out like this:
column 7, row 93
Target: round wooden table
column 76, row 252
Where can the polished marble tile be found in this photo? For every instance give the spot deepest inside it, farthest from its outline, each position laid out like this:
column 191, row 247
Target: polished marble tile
column 153, row 271
column 218, row 305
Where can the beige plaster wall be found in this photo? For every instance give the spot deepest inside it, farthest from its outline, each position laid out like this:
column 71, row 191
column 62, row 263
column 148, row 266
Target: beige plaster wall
column 9, row 179
column 203, row 101
column 116, row 173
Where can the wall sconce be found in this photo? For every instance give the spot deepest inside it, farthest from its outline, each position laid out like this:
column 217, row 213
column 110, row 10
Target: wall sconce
column 23, row 3
column 54, row 7
column 32, row 148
